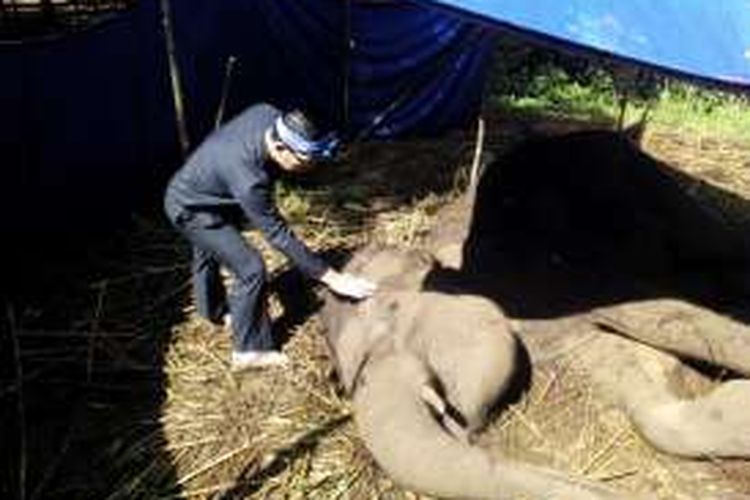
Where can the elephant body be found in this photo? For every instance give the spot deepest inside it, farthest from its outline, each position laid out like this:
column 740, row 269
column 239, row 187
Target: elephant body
column 424, row 369
column 585, row 230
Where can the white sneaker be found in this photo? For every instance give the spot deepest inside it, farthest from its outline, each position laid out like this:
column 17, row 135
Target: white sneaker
column 248, row 360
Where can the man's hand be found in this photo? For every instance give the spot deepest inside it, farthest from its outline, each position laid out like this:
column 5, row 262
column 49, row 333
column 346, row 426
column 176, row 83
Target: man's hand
column 348, row 285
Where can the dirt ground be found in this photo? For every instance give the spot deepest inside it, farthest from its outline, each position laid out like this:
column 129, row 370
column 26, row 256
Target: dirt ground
column 288, row 433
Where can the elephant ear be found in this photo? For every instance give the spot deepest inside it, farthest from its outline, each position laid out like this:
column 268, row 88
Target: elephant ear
column 368, row 329
column 355, row 330
column 361, row 330
column 340, row 334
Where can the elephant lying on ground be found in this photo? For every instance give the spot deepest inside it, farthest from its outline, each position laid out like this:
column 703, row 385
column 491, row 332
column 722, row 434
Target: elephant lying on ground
column 640, row 376
column 588, row 226
column 424, row 369
column 583, row 236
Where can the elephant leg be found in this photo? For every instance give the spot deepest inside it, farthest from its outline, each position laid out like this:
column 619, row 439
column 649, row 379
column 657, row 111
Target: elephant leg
column 715, row 425
column 467, row 343
column 683, row 329
column 409, row 444
column 640, row 378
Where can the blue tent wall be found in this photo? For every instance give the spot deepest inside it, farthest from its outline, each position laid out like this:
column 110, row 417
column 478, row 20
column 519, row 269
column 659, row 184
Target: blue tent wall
column 87, row 130
column 84, row 124
column 207, row 33
column 422, row 66
column 416, row 68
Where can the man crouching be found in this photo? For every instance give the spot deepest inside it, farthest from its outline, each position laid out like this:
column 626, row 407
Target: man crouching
column 232, row 172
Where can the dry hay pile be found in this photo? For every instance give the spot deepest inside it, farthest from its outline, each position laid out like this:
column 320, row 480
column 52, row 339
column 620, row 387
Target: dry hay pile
column 565, row 421
column 286, row 433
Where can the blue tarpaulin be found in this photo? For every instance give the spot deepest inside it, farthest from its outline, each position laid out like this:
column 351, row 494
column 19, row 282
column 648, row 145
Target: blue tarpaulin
column 415, row 68
column 86, row 122
column 698, row 38
column 387, row 68
column 87, row 125
column 87, row 129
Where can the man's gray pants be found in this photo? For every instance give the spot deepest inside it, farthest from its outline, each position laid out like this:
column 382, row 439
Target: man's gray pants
column 215, row 243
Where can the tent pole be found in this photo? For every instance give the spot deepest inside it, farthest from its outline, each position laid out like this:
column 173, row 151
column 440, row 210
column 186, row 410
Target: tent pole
column 23, row 460
column 348, row 47
column 174, row 76
column 477, row 163
column 478, row 150
column 228, row 72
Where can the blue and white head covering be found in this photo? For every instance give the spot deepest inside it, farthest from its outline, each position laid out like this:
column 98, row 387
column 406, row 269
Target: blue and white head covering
column 323, row 148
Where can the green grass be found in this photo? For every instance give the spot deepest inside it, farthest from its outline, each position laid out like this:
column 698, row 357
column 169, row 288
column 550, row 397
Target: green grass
column 680, row 106
column 707, row 113
column 551, row 91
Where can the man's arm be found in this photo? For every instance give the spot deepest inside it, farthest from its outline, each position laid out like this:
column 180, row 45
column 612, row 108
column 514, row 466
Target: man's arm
column 262, row 212
column 259, row 207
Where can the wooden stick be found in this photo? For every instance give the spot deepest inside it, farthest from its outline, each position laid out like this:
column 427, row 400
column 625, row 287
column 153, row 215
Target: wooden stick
column 215, row 463
column 63, row 334
column 204, row 492
column 348, row 48
column 94, row 330
column 174, row 76
column 51, row 470
column 226, row 84
column 609, row 446
column 20, row 407
column 531, row 426
column 148, row 271
column 547, row 387
column 477, row 161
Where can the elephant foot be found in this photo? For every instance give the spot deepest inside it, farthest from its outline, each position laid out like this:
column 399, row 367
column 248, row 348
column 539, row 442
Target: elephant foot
column 715, row 425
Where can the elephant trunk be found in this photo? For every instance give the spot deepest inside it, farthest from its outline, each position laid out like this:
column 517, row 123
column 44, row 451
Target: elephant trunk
column 413, row 448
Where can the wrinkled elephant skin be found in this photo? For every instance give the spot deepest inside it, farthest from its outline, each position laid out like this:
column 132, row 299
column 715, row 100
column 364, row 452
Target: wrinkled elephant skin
column 423, row 368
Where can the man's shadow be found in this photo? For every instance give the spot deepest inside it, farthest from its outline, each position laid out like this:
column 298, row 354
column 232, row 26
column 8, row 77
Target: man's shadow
column 565, row 224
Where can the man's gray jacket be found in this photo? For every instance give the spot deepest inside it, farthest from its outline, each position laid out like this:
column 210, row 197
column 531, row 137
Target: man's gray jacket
column 231, row 170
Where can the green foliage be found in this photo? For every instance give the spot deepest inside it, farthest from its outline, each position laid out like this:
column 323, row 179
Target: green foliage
column 544, row 82
column 696, row 110
column 553, row 90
